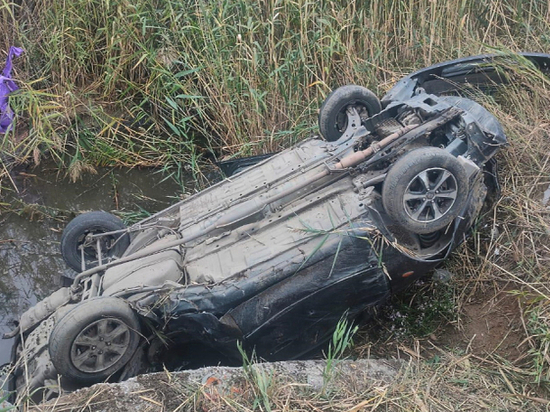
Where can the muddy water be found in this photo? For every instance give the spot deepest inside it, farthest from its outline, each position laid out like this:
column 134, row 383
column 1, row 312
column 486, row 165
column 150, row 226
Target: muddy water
column 31, row 266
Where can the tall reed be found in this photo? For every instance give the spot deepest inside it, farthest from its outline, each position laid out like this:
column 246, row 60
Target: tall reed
column 166, row 82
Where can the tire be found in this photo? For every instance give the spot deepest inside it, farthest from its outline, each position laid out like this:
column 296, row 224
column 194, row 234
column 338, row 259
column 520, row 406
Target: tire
column 92, row 222
column 94, row 340
column 333, row 119
column 425, row 190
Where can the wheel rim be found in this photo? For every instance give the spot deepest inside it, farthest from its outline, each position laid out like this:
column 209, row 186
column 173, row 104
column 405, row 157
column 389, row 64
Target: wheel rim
column 342, row 117
column 430, row 195
column 100, row 345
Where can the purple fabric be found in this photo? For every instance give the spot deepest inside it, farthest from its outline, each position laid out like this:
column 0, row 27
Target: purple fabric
column 6, row 87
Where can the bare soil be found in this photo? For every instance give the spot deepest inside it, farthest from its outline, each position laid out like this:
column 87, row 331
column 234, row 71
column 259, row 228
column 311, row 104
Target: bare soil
column 491, row 324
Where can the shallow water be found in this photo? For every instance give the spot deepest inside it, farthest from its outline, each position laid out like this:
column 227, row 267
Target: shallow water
column 31, row 266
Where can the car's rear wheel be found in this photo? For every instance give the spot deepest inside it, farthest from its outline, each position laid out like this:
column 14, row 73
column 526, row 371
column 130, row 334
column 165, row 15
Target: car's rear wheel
column 333, row 119
column 425, row 190
column 75, row 237
column 94, row 340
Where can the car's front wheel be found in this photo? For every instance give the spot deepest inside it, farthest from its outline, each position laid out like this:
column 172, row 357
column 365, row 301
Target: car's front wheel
column 94, row 340
column 425, row 190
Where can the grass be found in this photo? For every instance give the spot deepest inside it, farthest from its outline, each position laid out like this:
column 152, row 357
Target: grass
column 515, row 248
column 453, row 382
column 261, row 381
column 172, row 83
column 177, row 84
column 342, row 340
column 421, row 310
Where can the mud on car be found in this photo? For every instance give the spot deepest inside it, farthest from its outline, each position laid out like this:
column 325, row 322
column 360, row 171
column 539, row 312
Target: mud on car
column 276, row 254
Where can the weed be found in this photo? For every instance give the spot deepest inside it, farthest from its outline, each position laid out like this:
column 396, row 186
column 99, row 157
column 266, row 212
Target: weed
column 261, row 381
column 4, row 405
column 342, row 340
column 422, row 309
column 134, row 216
column 539, row 327
column 34, row 211
column 170, row 84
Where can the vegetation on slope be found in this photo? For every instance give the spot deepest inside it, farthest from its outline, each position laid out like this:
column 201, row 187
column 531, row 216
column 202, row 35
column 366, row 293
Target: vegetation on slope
column 164, row 83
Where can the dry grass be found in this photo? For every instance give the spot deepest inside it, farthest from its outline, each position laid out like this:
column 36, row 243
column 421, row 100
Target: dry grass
column 173, row 82
column 513, row 247
column 455, row 383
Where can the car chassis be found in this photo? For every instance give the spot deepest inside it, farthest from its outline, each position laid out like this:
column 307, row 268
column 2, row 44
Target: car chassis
column 275, row 255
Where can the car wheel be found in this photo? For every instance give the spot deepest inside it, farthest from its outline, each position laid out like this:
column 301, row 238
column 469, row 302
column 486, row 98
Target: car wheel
column 94, row 340
column 75, row 233
column 333, row 119
column 425, row 190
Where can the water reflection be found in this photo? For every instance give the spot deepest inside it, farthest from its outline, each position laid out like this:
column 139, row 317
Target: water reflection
column 30, row 261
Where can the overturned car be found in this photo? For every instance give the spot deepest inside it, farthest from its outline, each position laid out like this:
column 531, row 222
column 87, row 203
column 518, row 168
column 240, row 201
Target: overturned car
column 275, row 255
